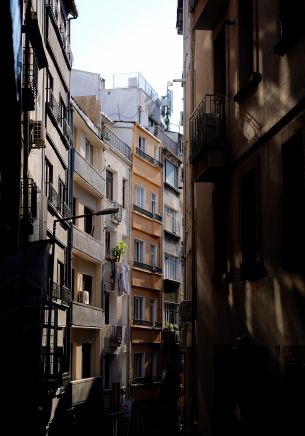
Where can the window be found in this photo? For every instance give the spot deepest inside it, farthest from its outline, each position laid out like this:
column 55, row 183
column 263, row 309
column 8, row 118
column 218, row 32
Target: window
column 124, row 193
column 293, row 204
column 291, row 24
column 171, row 174
column 139, row 251
column 142, row 144
column 61, row 196
column 171, row 313
column 220, row 63
column 88, row 226
column 171, row 267
column 152, row 310
column 170, row 219
column 156, row 152
column 109, row 185
column 63, row 111
column 48, row 177
column 139, row 308
column 74, row 209
column 153, row 365
column 140, row 197
column 139, row 359
column 87, row 285
column 153, row 255
column 49, row 88
column 245, row 29
column 154, row 204
column 60, row 274
column 86, row 360
column 107, row 244
column 89, row 152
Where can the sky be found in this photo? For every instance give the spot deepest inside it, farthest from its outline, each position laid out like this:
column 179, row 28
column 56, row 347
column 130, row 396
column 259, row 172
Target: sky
column 130, row 36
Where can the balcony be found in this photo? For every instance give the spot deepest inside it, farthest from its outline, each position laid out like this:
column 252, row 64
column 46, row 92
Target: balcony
column 206, row 12
column 87, row 245
column 88, row 174
column 59, row 294
column 167, row 141
column 86, row 316
column 32, row 200
column 148, row 158
column 88, row 389
column 147, row 267
column 147, row 213
column 111, row 138
column 115, row 218
column 56, row 202
column 113, row 337
column 209, row 149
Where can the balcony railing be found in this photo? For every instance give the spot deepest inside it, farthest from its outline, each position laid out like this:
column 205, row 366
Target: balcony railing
column 166, row 141
column 56, row 202
column 147, row 267
column 116, row 142
column 207, row 124
column 87, row 172
column 147, row 213
column 59, row 294
column 32, row 199
column 150, row 159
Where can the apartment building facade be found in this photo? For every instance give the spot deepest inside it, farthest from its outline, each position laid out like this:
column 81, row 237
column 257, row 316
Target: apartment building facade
column 244, row 198
column 112, row 167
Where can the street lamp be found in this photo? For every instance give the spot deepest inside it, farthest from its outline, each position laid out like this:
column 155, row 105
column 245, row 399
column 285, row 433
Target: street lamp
column 107, row 211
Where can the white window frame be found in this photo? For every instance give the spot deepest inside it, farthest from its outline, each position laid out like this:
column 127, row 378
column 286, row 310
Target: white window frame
column 154, row 203
column 140, row 196
column 171, row 177
column 153, row 310
column 142, row 144
column 89, row 152
column 139, row 250
column 139, row 308
column 171, row 219
column 171, row 313
column 153, row 255
column 171, row 267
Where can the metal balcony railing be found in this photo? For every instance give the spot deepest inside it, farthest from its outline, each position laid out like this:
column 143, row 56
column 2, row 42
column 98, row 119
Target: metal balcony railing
column 32, row 199
column 147, row 213
column 150, row 159
column 207, row 124
column 59, row 294
column 166, row 141
column 110, row 137
column 54, row 106
column 56, row 202
column 147, row 267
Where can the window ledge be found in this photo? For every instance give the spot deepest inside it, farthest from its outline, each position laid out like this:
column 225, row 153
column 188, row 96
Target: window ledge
column 249, row 86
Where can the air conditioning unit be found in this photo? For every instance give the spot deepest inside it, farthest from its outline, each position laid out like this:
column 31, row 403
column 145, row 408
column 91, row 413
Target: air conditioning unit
column 186, row 310
column 83, row 297
column 38, row 135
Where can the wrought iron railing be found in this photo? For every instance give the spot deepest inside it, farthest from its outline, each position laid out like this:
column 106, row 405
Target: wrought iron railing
column 207, row 124
column 59, row 294
column 150, row 159
column 147, row 267
column 110, row 137
column 32, row 199
column 147, row 213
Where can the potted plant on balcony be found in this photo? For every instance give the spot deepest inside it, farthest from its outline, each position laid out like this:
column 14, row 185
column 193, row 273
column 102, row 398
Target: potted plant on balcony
column 119, row 250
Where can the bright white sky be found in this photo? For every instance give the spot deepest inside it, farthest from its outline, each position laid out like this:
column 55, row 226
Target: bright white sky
column 119, row 36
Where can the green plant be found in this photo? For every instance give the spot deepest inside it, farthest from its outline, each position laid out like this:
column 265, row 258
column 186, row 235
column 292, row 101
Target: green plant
column 119, row 250
column 171, row 326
